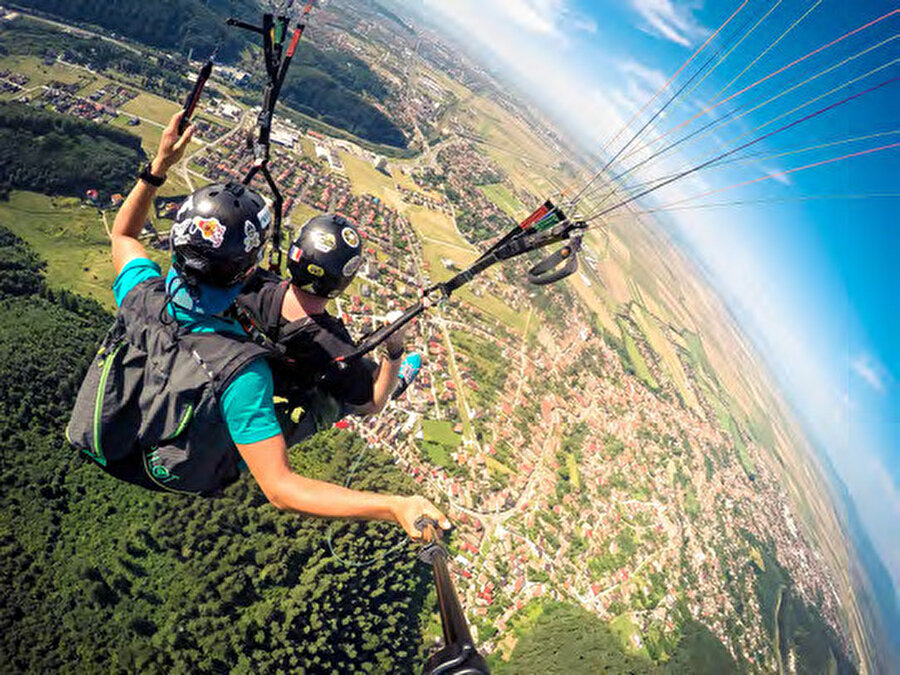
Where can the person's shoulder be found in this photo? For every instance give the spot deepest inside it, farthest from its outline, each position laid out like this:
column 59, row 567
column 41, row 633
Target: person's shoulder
column 261, row 298
column 261, row 280
column 133, row 273
column 251, row 385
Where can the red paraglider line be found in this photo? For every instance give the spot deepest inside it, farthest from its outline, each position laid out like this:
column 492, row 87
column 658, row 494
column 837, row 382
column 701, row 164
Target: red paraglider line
column 676, row 74
column 780, row 70
column 779, row 174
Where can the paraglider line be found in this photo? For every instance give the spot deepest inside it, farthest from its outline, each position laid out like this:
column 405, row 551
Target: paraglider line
column 784, row 68
column 749, row 143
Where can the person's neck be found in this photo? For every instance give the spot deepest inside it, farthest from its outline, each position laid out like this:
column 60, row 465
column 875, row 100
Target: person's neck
column 306, row 304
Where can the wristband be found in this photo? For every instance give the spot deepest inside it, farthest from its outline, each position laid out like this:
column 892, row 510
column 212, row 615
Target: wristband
column 147, row 176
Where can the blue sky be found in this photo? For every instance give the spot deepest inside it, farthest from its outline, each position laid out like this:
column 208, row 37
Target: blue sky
column 814, row 283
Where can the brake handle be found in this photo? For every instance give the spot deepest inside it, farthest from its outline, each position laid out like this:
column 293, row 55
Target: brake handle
column 558, row 265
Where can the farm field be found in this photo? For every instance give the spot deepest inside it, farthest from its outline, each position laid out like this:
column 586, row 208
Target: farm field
column 504, row 199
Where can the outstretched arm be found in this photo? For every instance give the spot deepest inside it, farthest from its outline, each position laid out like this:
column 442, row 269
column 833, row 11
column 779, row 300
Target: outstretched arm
column 268, row 462
column 384, row 386
column 133, row 214
column 386, row 375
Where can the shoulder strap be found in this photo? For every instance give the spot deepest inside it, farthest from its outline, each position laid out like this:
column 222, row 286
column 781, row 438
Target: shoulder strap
column 222, row 357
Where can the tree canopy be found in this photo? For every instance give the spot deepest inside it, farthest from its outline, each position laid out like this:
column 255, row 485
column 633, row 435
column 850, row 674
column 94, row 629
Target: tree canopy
column 101, row 575
column 47, row 152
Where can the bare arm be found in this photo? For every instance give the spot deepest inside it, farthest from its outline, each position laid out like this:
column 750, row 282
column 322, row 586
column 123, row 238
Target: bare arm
column 133, row 214
column 386, row 375
column 384, row 386
column 268, row 462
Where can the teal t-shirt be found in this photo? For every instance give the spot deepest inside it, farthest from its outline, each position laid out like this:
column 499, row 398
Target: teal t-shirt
column 246, row 405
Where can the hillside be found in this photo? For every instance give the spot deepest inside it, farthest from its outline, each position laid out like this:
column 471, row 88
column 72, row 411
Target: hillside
column 332, row 86
column 47, row 152
column 168, row 583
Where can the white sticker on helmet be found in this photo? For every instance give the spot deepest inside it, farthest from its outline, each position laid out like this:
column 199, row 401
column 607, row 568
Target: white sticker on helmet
column 186, row 206
column 251, row 236
column 265, row 218
column 181, row 232
column 350, row 237
column 323, row 241
column 351, row 266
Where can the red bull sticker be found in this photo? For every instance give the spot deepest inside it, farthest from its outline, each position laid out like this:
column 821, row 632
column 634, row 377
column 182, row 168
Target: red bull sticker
column 210, row 229
column 350, row 237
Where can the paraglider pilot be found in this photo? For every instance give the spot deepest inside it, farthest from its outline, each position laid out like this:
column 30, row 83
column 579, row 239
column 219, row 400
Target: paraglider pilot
column 178, row 397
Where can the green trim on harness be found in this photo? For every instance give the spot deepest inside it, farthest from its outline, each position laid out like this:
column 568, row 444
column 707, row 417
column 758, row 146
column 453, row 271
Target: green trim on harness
column 182, row 425
column 106, row 365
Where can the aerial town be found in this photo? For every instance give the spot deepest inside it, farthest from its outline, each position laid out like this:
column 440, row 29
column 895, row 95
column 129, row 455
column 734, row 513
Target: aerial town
column 568, row 474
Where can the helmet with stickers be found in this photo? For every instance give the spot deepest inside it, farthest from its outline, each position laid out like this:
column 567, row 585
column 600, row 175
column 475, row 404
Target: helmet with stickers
column 325, row 256
column 219, row 233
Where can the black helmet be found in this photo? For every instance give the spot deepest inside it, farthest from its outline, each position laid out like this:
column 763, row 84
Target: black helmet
column 219, row 234
column 324, row 257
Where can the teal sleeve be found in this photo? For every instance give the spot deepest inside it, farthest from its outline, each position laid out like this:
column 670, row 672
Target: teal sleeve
column 134, row 272
column 247, row 406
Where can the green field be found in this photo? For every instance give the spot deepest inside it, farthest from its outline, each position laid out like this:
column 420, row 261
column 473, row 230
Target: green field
column 572, row 465
column 637, row 360
column 152, row 107
column 624, row 628
column 504, row 199
column 499, row 467
column 40, row 74
column 441, row 432
column 71, row 238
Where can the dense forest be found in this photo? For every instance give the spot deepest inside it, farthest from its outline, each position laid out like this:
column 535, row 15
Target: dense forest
column 47, row 152
column 565, row 639
column 175, row 24
column 327, row 85
column 100, row 576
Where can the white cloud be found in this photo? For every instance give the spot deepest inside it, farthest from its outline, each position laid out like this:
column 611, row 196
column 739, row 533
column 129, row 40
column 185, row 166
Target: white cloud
column 546, row 17
column 776, row 174
column 650, row 76
column 669, row 20
column 872, row 372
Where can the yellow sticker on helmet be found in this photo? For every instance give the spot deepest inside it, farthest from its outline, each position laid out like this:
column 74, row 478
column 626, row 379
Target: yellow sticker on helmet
column 350, row 237
column 315, row 270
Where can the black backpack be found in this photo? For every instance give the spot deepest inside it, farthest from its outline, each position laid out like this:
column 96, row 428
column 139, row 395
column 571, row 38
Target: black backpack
column 303, row 370
column 148, row 410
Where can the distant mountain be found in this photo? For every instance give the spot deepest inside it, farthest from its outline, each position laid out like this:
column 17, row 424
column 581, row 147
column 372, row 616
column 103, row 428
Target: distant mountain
column 176, row 24
column 321, row 84
column 883, row 591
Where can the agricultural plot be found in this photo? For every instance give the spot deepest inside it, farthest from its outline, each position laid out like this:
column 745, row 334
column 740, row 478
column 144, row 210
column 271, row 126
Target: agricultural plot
column 504, row 199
